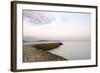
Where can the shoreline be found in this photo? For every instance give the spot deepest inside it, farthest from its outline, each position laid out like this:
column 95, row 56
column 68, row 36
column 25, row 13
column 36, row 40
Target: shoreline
column 32, row 54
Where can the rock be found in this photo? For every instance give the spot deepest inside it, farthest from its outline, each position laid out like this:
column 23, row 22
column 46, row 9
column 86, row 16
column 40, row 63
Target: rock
column 47, row 46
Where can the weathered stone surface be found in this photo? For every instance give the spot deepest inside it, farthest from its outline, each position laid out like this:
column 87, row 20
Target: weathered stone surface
column 32, row 54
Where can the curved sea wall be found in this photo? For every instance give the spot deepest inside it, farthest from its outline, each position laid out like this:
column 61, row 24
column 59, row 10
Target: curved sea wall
column 38, row 53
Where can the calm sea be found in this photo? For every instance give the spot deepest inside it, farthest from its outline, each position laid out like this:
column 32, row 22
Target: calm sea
column 75, row 50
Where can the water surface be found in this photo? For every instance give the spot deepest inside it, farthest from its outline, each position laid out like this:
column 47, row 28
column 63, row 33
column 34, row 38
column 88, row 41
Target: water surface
column 74, row 50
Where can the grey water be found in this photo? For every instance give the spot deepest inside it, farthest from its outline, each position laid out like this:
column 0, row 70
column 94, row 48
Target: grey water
column 74, row 50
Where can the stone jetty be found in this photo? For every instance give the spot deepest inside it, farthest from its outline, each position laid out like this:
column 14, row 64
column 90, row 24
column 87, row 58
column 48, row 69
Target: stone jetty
column 38, row 53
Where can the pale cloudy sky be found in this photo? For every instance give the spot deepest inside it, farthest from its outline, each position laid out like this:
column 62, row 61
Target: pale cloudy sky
column 56, row 25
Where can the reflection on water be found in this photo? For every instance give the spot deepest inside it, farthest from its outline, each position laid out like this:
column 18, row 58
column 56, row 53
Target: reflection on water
column 77, row 50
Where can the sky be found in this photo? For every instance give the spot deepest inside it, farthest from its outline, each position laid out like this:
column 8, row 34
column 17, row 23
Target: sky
column 50, row 25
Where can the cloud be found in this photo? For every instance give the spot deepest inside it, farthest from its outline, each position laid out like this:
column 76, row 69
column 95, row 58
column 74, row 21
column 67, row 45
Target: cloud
column 57, row 25
column 37, row 17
